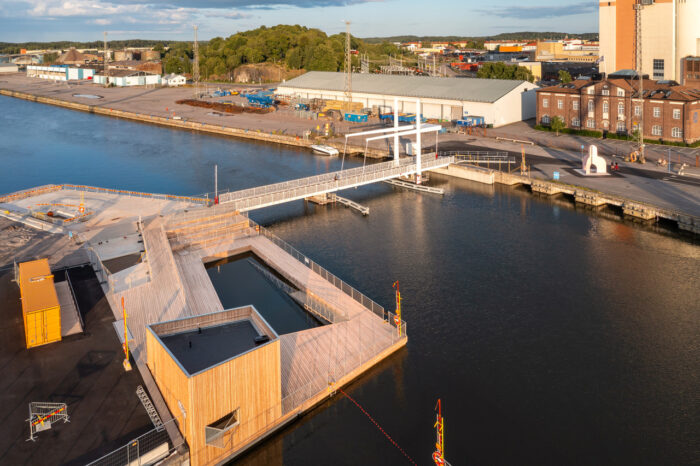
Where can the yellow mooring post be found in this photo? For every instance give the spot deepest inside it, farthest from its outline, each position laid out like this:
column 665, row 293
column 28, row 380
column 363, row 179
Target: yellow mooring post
column 439, row 453
column 397, row 317
column 127, row 364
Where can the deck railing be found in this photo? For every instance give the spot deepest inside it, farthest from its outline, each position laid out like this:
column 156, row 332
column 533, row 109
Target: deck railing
column 335, row 281
column 322, row 382
column 124, row 192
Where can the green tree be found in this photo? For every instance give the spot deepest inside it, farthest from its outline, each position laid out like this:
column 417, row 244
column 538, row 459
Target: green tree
column 498, row 70
column 294, row 58
column 160, row 48
column 565, row 77
column 557, row 124
column 323, row 59
column 50, row 58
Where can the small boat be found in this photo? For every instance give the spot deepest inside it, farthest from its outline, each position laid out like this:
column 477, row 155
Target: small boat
column 325, row 150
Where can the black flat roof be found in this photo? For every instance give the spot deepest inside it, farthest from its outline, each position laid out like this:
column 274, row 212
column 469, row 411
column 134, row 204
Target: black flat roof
column 204, row 347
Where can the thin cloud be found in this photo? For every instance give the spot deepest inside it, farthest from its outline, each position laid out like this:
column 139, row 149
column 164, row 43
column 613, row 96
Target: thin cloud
column 245, row 4
column 229, row 15
column 539, row 12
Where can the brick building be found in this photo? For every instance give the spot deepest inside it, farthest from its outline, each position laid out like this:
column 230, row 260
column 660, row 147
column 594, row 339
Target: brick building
column 671, row 111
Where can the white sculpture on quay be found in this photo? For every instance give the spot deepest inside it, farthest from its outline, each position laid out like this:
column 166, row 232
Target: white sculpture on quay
column 594, row 160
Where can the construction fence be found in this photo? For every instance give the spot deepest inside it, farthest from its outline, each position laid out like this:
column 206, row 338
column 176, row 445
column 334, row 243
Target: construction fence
column 146, row 449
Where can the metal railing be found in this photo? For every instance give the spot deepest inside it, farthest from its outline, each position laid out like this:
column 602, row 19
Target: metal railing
column 303, row 297
column 335, row 281
column 103, row 274
column 298, row 189
column 326, row 372
column 148, row 448
column 124, row 192
column 340, row 179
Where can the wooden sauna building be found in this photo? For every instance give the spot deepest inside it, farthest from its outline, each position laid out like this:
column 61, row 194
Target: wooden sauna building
column 220, row 376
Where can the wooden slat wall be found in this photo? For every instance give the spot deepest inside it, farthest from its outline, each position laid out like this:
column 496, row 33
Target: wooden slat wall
column 173, row 383
column 250, row 382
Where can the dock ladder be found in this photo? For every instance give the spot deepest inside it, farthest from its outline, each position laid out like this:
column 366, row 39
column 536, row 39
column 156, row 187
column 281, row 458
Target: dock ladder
column 150, row 409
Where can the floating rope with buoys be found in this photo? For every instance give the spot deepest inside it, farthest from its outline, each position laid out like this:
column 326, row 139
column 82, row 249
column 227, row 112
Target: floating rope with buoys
column 378, row 427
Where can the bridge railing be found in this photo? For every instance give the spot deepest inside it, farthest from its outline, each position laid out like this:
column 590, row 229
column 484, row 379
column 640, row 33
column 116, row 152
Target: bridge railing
column 368, row 171
column 473, row 153
column 337, row 282
column 345, row 180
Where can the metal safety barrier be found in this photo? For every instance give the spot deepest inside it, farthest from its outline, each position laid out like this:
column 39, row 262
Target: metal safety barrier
column 148, row 448
column 335, row 281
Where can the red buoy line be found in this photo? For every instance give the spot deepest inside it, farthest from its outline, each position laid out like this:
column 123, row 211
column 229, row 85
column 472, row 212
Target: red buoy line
column 378, row 427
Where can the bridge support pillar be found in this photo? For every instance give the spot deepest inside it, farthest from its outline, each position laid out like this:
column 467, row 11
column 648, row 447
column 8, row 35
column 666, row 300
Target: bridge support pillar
column 396, row 130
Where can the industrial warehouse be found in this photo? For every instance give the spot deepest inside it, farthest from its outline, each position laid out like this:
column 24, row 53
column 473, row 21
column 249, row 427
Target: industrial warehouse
column 498, row 101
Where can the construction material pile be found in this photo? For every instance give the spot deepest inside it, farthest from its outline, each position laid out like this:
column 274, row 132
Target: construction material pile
column 225, row 107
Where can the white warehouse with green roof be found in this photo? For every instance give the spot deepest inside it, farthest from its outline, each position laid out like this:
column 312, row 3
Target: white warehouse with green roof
column 499, row 101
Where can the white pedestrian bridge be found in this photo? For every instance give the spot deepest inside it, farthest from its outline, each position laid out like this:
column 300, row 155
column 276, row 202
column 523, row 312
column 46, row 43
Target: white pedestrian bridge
column 279, row 193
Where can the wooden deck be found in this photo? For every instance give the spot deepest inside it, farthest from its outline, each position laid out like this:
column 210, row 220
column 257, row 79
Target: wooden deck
column 179, row 286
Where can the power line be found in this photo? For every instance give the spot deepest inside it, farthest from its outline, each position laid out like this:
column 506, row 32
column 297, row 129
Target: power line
column 195, row 71
column 348, row 67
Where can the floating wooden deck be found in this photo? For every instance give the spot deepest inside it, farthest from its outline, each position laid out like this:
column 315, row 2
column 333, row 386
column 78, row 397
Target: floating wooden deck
column 177, row 247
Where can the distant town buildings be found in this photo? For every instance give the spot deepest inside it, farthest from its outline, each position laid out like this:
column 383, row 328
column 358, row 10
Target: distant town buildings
column 59, row 72
column 125, row 77
column 174, row 80
column 8, row 68
column 670, row 32
column 671, row 111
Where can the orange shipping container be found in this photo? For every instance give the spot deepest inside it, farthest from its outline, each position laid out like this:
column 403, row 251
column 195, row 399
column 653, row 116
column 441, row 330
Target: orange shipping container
column 40, row 308
column 510, row 48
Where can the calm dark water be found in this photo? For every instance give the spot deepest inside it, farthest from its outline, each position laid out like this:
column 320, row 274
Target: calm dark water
column 552, row 335
column 239, row 283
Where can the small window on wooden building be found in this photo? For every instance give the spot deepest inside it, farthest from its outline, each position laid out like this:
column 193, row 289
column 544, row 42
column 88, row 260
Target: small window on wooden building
column 216, row 431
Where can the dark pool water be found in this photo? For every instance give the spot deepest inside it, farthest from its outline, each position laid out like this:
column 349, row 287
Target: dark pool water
column 240, row 283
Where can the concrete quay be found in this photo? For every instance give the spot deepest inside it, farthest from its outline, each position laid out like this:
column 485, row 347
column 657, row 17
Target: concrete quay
column 158, row 106
column 581, row 195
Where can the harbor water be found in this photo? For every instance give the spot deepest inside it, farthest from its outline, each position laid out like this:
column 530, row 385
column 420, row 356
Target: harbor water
column 552, row 334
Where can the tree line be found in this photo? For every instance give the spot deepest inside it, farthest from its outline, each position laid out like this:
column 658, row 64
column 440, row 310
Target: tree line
column 499, row 70
column 297, row 47
column 13, row 48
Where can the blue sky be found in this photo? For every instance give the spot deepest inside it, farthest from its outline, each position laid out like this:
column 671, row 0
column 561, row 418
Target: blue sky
column 46, row 20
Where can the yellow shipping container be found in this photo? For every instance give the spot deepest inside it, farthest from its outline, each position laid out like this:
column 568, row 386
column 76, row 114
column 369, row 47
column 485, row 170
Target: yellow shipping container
column 341, row 105
column 40, row 308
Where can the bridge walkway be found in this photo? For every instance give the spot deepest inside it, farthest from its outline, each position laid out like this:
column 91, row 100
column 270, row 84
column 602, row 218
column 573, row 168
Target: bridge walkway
column 265, row 196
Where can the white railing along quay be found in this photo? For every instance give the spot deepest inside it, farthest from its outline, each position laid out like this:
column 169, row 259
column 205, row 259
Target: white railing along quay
column 335, row 181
